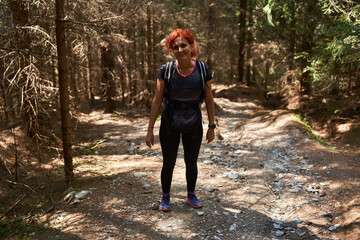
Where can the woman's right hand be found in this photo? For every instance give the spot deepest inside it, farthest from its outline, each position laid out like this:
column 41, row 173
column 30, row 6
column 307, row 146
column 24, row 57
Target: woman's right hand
column 150, row 139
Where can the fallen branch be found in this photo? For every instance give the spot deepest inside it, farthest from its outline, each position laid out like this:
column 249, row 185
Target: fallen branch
column 7, row 168
column 277, row 196
column 14, row 205
column 17, row 183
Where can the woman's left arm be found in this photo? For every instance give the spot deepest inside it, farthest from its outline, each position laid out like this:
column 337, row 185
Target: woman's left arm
column 210, row 107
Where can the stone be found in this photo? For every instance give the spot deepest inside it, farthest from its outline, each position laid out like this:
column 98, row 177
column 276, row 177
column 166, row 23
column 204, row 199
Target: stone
column 146, row 186
column 325, row 214
column 207, row 150
column 140, row 174
column 332, row 228
column 69, row 196
column 294, row 190
column 200, row 213
column 297, row 220
column 130, row 150
column 82, row 194
column 233, row 227
column 277, row 226
column 279, row 233
column 210, row 189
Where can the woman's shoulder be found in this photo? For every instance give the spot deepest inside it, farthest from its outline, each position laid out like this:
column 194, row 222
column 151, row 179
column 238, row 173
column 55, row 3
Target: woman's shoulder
column 208, row 74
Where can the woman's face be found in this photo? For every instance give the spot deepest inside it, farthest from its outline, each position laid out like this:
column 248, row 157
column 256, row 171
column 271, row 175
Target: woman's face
column 181, row 49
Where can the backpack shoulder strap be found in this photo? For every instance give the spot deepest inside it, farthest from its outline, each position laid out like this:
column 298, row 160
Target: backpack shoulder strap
column 168, row 71
column 167, row 75
column 202, row 72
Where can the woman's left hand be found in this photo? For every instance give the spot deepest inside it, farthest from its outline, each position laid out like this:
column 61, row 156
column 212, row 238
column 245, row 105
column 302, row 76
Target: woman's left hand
column 210, row 135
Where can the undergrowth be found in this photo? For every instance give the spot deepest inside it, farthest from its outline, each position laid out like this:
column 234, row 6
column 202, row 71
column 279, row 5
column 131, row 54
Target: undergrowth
column 309, row 132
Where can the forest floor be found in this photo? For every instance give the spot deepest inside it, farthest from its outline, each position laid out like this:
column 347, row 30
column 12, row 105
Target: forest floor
column 262, row 178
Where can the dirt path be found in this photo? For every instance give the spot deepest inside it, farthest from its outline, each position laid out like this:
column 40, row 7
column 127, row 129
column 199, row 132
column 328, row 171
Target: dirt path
column 263, row 180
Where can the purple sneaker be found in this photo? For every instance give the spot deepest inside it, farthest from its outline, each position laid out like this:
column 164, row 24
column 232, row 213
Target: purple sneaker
column 193, row 201
column 165, row 203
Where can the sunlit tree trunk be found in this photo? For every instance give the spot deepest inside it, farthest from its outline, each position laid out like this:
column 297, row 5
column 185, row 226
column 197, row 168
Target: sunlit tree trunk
column 64, row 90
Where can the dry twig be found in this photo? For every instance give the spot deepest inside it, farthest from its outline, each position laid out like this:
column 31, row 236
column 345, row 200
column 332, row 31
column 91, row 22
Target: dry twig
column 14, row 205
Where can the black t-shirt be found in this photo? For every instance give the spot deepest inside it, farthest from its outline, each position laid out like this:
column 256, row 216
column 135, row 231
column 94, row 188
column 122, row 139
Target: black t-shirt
column 185, row 88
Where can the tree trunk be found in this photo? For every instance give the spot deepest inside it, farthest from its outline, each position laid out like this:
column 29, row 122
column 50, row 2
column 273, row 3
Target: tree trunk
column 149, row 50
column 249, row 58
column 291, row 46
column 64, row 90
column 72, row 75
column 89, row 76
column 107, row 78
column 267, row 71
column 142, row 55
column 210, row 34
column 242, row 38
column 305, row 80
column 155, row 51
column 54, row 78
column 133, row 82
column 3, row 90
column 20, row 19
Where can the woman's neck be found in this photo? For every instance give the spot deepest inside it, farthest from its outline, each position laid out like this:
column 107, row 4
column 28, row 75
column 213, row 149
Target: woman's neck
column 185, row 65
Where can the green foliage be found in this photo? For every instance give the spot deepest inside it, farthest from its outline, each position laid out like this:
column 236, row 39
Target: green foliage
column 309, row 131
column 158, row 117
column 267, row 9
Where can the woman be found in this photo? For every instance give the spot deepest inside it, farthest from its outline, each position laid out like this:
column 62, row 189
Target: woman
column 182, row 93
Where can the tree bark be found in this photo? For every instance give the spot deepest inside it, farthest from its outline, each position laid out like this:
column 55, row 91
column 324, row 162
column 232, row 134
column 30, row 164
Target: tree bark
column 133, row 82
column 107, row 78
column 20, row 18
column 149, row 50
column 3, row 90
column 267, row 71
column 291, row 46
column 64, row 90
column 305, row 80
column 90, row 81
column 242, row 39
column 249, row 58
column 210, row 34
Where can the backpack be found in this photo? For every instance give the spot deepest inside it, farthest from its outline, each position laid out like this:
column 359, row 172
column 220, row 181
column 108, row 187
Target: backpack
column 179, row 116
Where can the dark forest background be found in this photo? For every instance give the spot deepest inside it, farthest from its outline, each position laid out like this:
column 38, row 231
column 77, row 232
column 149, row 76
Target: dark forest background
column 83, row 52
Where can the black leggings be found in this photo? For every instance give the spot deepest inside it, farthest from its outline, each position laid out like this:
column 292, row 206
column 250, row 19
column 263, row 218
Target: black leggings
column 170, row 144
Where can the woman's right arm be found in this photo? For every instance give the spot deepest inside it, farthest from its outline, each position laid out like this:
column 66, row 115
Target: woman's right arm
column 154, row 111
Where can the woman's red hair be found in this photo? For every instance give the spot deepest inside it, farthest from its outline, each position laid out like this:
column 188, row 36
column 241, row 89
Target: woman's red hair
column 185, row 33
